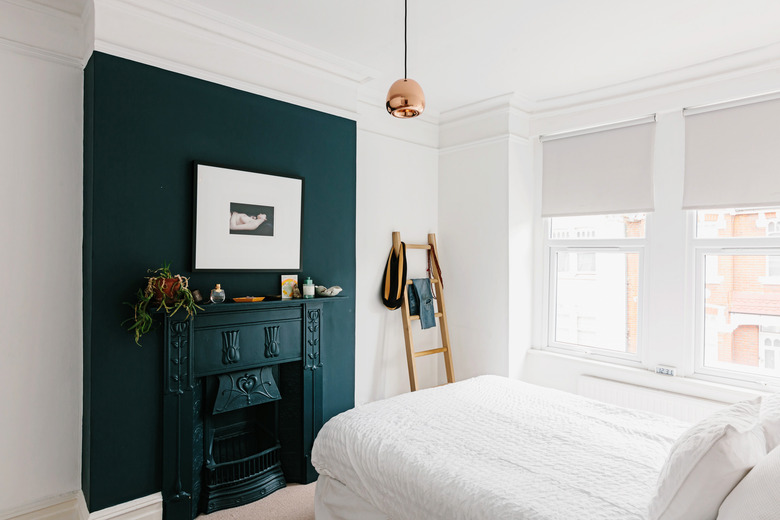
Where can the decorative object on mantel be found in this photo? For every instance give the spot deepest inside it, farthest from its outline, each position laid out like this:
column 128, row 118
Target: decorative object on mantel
column 405, row 99
column 246, row 220
column 164, row 291
column 249, row 299
column 321, row 290
column 217, row 294
column 308, row 288
column 289, row 284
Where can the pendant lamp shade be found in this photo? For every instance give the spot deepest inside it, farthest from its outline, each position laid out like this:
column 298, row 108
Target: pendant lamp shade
column 405, row 99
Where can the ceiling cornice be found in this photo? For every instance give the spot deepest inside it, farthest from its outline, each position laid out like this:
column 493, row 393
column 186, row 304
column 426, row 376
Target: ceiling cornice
column 42, row 53
column 484, row 108
column 47, row 10
column 180, row 36
column 713, row 71
column 41, row 31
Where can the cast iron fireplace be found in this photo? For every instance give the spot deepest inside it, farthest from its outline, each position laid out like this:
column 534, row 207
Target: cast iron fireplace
column 242, row 447
column 242, row 403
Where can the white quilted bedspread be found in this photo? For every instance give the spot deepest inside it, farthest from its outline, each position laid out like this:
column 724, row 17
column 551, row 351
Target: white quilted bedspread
column 494, row 448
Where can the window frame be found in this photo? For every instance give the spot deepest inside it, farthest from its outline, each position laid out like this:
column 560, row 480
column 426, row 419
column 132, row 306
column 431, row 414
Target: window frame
column 730, row 246
column 594, row 245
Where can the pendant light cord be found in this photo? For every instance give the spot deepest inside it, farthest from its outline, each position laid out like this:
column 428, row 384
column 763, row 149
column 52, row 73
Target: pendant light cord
column 405, row 15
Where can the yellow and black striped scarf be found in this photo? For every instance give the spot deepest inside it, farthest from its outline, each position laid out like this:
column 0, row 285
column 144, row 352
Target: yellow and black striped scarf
column 394, row 279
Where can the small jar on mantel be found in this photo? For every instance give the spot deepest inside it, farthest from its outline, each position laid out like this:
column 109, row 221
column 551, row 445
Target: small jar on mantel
column 217, row 294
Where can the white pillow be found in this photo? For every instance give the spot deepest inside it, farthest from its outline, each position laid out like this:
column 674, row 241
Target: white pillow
column 757, row 497
column 707, row 462
column 770, row 420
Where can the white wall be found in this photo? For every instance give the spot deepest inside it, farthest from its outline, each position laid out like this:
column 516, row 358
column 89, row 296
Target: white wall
column 41, row 232
column 486, row 222
column 473, row 224
column 396, row 191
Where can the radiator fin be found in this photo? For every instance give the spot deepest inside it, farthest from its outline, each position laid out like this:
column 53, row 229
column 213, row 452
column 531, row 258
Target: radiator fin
column 680, row 406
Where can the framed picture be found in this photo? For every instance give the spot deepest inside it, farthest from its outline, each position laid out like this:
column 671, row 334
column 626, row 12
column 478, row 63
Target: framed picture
column 246, row 220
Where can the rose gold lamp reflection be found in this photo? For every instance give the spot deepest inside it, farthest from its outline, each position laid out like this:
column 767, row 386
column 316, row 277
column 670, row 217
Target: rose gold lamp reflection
column 405, row 98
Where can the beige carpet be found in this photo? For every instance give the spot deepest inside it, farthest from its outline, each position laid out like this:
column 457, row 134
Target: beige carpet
column 295, row 502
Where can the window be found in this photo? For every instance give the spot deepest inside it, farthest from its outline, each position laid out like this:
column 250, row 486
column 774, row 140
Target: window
column 773, row 228
column 773, row 267
column 595, row 285
column 698, row 289
column 738, row 297
column 769, row 350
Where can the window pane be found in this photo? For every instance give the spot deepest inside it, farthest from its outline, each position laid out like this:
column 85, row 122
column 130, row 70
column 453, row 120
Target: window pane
column 598, row 226
column 598, row 307
column 738, row 223
column 742, row 314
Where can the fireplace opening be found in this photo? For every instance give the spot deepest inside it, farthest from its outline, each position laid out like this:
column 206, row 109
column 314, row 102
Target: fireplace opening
column 241, row 460
column 243, row 466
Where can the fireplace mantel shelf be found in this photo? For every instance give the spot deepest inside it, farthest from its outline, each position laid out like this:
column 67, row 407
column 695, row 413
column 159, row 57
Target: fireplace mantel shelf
column 285, row 336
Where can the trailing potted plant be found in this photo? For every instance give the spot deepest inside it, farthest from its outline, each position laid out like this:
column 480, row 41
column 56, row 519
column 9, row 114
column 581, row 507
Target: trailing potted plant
column 164, row 291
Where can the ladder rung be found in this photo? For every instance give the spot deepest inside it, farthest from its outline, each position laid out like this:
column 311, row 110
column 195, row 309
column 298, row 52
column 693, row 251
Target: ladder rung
column 418, row 246
column 417, row 317
column 429, row 352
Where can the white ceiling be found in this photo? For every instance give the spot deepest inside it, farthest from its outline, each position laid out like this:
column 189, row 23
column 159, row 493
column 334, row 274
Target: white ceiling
column 549, row 53
column 544, row 51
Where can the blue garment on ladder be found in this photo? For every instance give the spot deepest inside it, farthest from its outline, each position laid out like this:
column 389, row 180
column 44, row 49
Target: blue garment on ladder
column 421, row 302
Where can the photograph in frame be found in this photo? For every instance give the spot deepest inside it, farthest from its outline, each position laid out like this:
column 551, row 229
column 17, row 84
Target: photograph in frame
column 246, row 220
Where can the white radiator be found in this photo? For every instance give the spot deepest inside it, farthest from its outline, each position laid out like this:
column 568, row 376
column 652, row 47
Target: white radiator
column 680, row 406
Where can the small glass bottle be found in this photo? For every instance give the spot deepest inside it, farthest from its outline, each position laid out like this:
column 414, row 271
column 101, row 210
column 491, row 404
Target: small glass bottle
column 217, row 294
column 308, row 288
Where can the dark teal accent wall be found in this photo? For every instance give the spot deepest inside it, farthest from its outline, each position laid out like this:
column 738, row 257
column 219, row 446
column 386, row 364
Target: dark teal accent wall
column 143, row 129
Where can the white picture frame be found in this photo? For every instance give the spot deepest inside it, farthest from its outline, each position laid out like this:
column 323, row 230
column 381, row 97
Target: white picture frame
column 246, row 220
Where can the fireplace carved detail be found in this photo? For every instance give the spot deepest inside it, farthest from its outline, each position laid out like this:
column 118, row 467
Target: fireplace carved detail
column 230, row 352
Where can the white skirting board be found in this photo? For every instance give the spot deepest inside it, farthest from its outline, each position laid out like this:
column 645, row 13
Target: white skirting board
column 680, row 406
column 72, row 506
column 145, row 508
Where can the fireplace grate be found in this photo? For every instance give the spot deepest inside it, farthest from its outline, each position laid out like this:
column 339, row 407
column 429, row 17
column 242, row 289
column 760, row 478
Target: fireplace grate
column 244, row 466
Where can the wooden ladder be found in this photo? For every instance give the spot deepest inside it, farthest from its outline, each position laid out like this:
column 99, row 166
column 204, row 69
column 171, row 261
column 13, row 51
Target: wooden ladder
column 441, row 313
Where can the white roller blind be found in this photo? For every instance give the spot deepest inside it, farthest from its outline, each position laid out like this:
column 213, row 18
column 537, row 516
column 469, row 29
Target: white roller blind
column 599, row 172
column 732, row 156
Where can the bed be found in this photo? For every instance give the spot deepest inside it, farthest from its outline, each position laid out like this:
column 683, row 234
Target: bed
column 490, row 448
column 494, row 448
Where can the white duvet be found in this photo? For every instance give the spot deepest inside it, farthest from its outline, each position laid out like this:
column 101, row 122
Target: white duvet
column 494, row 448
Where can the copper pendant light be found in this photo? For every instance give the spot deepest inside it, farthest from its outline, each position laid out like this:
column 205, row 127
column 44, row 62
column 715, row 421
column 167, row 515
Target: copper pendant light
column 405, row 98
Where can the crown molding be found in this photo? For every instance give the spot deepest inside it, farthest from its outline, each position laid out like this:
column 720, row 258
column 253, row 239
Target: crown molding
column 185, row 13
column 46, row 10
column 225, row 80
column 480, row 109
column 41, row 32
column 499, row 138
column 734, row 66
column 499, row 117
column 180, row 36
column 41, row 53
